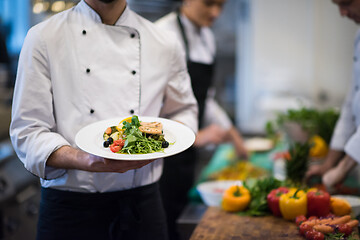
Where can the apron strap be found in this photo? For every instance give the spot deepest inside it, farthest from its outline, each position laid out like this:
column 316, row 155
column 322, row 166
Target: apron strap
column 183, row 34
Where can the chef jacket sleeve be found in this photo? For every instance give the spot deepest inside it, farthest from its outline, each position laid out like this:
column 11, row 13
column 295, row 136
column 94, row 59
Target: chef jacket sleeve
column 179, row 100
column 352, row 146
column 214, row 113
column 33, row 126
column 345, row 126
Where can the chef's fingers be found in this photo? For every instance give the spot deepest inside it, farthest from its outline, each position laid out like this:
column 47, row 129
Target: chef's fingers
column 121, row 166
column 331, row 178
column 315, row 170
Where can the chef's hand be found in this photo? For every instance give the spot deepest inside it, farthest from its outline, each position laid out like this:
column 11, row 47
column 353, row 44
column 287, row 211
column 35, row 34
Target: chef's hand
column 234, row 136
column 333, row 157
column 315, row 170
column 68, row 157
column 338, row 173
column 98, row 164
column 212, row 134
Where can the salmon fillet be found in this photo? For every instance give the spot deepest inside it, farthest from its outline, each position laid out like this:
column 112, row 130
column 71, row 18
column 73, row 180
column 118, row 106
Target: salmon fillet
column 151, row 127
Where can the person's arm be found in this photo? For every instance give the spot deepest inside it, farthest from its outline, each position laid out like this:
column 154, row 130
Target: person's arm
column 338, row 173
column 209, row 135
column 68, row 157
column 236, row 139
column 330, row 161
column 179, row 101
column 215, row 115
column 43, row 151
column 348, row 162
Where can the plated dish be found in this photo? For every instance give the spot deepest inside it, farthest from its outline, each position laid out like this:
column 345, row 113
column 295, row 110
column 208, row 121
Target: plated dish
column 91, row 139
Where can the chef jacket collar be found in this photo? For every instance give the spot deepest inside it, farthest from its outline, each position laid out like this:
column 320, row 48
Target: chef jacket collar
column 192, row 28
column 87, row 10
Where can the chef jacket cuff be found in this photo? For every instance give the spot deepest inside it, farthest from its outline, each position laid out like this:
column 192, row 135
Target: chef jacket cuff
column 51, row 172
column 352, row 147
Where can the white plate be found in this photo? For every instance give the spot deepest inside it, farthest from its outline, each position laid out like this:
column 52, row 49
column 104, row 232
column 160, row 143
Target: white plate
column 211, row 192
column 258, row 144
column 90, row 139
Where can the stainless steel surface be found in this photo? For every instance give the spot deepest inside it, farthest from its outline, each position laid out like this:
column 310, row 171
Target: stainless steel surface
column 19, row 197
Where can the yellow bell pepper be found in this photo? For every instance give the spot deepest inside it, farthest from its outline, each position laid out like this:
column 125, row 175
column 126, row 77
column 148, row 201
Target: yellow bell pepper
column 340, row 207
column 236, row 198
column 293, row 204
column 120, row 125
column 319, row 148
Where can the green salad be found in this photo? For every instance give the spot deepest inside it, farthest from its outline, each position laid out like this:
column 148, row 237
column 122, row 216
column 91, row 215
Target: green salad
column 132, row 136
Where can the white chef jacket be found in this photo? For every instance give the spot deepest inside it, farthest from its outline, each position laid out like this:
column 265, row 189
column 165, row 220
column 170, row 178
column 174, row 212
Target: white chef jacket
column 74, row 70
column 202, row 49
column 346, row 135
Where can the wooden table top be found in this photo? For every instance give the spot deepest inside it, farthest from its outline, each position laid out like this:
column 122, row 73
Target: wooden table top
column 217, row 224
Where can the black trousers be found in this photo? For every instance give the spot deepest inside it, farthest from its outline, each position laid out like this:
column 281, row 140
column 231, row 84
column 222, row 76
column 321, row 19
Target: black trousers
column 130, row 214
column 175, row 183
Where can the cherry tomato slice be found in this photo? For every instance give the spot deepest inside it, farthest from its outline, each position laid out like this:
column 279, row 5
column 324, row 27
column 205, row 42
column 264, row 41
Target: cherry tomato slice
column 115, row 148
column 345, row 229
column 300, row 219
column 304, row 228
column 318, row 236
column 119, row 142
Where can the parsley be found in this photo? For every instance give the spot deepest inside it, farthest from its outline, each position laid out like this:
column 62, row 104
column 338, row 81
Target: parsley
column 259, row 189
column 339, row 236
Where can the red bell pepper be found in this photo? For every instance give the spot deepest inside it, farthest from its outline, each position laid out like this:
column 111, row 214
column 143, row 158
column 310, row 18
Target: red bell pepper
column 318, row 203
column 273, row 200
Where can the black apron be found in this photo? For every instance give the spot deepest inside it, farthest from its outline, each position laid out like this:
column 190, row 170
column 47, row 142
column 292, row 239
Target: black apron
column 201, row 74
column 179, row 170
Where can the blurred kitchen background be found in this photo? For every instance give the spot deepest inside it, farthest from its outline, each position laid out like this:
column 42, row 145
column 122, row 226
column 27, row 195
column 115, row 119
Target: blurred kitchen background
column 272, row 56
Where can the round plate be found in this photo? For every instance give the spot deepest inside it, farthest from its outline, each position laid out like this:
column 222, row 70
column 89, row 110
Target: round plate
column 258, row 144
column 90, row 139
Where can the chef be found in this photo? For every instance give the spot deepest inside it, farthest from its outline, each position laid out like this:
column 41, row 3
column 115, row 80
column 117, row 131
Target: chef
column 344, row 154
column 95, row 61
column 191, row 25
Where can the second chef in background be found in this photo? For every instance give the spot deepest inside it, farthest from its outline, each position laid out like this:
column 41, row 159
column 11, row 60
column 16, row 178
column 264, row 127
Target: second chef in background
column 191, row 24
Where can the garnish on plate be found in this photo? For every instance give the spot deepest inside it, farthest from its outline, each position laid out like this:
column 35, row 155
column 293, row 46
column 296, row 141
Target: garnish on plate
column 131, row 136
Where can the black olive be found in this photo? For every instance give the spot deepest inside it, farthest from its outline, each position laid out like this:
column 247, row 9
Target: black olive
column 106, row 144
column 110, row 140
column 164, row 144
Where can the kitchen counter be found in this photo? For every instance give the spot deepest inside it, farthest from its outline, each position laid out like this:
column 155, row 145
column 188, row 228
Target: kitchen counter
column 217, row 224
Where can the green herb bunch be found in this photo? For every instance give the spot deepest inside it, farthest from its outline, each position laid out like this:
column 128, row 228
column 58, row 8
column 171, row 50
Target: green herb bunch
column 297, row 165
column 311, row 120
column 259, row 189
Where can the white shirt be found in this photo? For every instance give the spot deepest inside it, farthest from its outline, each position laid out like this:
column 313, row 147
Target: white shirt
column 74, row 70
column 202, row 48
column 346, row 135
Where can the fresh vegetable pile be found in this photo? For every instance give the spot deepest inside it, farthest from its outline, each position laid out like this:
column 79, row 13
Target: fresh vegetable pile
column 258, row 189
column 134, row 137
column 317, row 214
column 329, row 227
